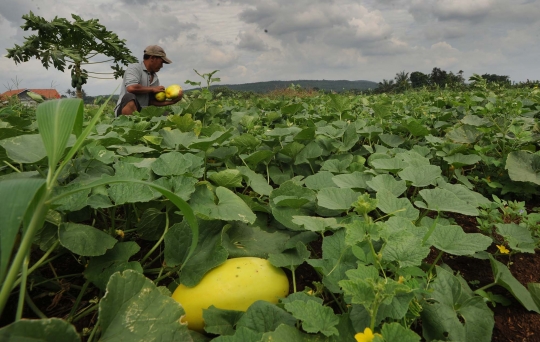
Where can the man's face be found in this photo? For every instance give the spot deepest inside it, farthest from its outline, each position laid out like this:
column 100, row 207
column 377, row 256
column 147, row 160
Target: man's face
column 156, row 63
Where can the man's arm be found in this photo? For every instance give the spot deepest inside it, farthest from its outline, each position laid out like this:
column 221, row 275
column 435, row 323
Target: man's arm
column 139, row 89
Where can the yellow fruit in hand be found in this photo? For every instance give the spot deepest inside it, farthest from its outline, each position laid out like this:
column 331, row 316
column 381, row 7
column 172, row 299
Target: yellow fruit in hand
column 234, row 285
column 173, row 91
column 160, row 96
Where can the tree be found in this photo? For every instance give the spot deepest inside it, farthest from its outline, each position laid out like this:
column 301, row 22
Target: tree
column 438, row 77
column 73, row 44
column 402, row 81
column 419, row 79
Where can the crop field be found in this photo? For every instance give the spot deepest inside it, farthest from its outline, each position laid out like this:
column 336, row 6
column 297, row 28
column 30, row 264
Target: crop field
column 395, row 217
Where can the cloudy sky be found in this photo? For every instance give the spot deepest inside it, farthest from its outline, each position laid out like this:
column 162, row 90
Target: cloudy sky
column 263, row 40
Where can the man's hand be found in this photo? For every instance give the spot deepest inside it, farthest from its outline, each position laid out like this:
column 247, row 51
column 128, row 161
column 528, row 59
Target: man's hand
column 158, row 89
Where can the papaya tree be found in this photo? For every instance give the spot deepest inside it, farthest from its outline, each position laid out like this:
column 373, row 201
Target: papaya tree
column 62, row 43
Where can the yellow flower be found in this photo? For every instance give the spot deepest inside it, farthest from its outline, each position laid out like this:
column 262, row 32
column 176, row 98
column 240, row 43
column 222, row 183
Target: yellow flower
column 366, row 336
column 503, row 249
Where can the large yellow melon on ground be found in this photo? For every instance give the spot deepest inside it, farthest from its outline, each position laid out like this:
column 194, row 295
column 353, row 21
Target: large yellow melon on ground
column 234, row 285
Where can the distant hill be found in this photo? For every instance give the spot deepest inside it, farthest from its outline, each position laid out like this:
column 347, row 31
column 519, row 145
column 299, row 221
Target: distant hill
column 328, row 85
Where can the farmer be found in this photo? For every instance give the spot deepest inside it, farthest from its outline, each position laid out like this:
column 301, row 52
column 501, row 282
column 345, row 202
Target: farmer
column 140, row 83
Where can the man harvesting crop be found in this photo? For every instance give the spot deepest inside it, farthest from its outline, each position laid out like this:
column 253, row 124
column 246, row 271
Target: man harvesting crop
column 140, row 83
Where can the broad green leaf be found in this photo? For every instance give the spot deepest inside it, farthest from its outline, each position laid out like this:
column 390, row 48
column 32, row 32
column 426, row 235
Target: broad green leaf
column 392, row 164
column 396, row 332
column 289, row 333
column 171, row 164
column 56, row 121
column 350, row 138
column 459, row 160
column 464, row 135
column 208, row 254
column 242, row 334
column 133, row 309
column 337, row 198
column 519, row 238
column 174, row 139
column 475, row 120
column 256, row 181
column 311, row 151
column 230, row 207
column 389, row 183
column 263, row 316
column 452, row 314
column 257, row 157
column 126, row 150
column 522, row 166
column 229, row 178
column 84, row 240
column 290, row 258
column 443, row 200
column 355, row 180
column 391, row 205
column 405, row 248
column 338, row 165
column 220, row 322
column 40, row 330
column 416, row 128
column 421, row 176
column 453, row 240
column 101, row 268
column 314, row 316
column 20, row 192
column 242, row 240
column 504, row 278
column 320, row 180
column 391, row 139
column 245, row 142
column 316, row 224
column 25, row 149
column 217, row 138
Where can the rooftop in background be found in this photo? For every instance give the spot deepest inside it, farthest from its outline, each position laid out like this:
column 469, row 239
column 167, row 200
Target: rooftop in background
column 46, row 93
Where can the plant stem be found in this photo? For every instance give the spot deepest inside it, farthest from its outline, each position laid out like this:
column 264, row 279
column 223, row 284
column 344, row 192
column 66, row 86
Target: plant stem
column 485, row 287
column 85, row 312
column 435, row 261
column 41, row 261
column 42, row 207
column 160, row 239
column 78, row 300
column 22, row 292
column 33, row 306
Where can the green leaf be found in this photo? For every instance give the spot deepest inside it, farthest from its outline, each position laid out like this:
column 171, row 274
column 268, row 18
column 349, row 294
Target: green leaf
column 256, row 181
column 464, row 135
column 337, row 198
column 169, row 164
column 405, row 248
column 392, row 205
column 290, row 258
column 208, row 254
column 20, row 192
column 314, row 316
column 217, row 138
column 519, row 238
column 443, row 200
column 25, row 149
column 289, row 333
column 84, row 240
column 230, row 207
column 396, row 332
column 389, row 183
column 355, row 180
column 504, row 278
column 459, row 160
column 391, row 139
column 263, row 316
column 134, row 309
column 421, row 176
column 101, row 268
column 311, row 151
column 242, row 334
column 320, row 180
column 40, row 330
column 219, row 321
column 243, row 240
column 453, row 240
column 229, row 178
column 522, row 166
column 452, row 314
column 56, row 121
column 316, row 224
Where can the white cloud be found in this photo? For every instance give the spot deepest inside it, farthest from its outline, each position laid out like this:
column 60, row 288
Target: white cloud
column 258, row 40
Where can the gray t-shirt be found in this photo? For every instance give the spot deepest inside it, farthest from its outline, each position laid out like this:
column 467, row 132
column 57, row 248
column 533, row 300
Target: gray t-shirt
column 137, row 74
